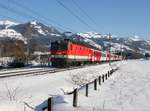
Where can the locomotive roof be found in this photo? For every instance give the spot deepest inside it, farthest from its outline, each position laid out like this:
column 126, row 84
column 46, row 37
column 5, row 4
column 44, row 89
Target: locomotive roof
column 81, row 43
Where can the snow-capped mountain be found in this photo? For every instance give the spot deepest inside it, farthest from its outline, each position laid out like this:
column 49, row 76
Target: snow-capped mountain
column 90, row 35
column 7, row 32
column 7, row 23
column 38, row 33
column 134, row 38
column 33, row 30
column 12, row 34
column 43, row 35
column 126, row 44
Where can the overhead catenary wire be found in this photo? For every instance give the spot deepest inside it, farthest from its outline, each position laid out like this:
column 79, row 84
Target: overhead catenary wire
column 26, row 15
column 40, row 16
column 84, row 12
column 73, row 14
column 10, row 9
column 4, row 16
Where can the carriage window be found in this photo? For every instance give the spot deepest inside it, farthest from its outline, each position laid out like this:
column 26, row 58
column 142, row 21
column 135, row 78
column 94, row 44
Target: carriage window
column 103, row 55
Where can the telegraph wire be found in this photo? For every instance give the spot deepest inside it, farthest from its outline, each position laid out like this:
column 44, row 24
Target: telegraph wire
column 73, row 14
column 10, row 9
column 84, row 12
column 27, row 16
column 39, row 15
column 4, row 16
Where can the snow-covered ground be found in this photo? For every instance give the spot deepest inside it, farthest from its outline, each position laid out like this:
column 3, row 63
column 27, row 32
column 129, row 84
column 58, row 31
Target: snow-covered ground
column 128, row 89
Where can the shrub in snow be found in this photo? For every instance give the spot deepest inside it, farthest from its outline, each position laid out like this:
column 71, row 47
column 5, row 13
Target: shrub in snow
column 79, row 79
column 11, row 94
column 14, row 94
column 82, row 78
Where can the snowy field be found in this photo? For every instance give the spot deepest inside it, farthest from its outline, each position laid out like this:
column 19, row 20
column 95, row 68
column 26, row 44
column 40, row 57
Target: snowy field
column 128, row 89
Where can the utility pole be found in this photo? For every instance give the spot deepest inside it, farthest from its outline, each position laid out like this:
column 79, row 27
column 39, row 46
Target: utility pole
column 28, row 35
column 49, row 54
column 121, row 50
column 1, row 50
column 110, row 48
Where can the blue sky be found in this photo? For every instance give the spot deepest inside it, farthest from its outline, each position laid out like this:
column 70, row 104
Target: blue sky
column 119, row 17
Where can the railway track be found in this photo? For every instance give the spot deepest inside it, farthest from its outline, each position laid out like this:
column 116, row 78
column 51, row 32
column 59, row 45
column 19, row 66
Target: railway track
column 40, row 71
column 35, row 71
column 24, row 72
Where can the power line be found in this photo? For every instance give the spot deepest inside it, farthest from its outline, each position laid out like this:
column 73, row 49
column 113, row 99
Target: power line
column 37, row 14
column 73, row 14
column 83, row 11
column 4, row 16
column 10, row 9
column 16, row 12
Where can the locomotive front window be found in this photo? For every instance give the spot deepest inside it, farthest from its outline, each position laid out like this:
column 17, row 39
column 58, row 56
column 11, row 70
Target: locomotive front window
column 59, row 46
column 63, row 46
column 54, row 46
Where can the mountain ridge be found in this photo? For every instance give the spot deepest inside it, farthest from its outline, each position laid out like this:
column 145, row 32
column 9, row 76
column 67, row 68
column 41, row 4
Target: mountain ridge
column 43, row 35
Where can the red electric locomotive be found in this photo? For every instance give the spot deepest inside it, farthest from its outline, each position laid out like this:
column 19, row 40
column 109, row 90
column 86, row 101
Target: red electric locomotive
column 67, row 53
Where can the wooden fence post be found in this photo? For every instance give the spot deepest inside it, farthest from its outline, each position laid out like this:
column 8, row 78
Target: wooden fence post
column 112, row 70
column 99, row 80
column 103, row 78
column 75, row 97
column 86, row 92
column 95, row 84
column 50, row 104
column 106, row 76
